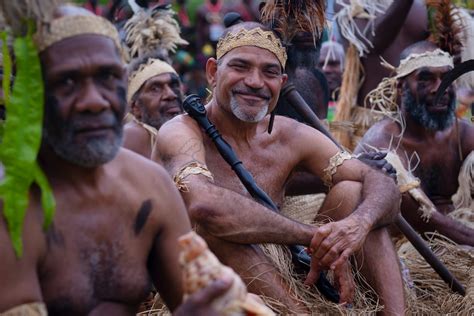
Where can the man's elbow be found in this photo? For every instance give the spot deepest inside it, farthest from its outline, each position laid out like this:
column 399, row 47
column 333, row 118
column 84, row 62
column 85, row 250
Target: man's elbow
column 207, row 218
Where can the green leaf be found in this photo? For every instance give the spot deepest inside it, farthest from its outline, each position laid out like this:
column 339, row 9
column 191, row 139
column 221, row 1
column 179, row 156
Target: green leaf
column 22, row 140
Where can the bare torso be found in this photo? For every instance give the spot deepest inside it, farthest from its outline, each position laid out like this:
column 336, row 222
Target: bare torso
column 98, row 250
column 439, row 158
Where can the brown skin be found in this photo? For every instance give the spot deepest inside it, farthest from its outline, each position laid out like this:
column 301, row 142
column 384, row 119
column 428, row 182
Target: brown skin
column 112, row 235
column 438, row 169
column 160, row 98
column 232, row 222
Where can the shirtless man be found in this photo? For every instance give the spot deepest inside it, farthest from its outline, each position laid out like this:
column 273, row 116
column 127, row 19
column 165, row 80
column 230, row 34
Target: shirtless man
column 112, row 236
column 154, row 96
column 246, row 80
column 433, row 132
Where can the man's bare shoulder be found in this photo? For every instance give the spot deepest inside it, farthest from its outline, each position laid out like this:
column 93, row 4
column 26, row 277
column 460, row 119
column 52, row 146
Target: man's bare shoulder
column 467, row 136
column 136, row 138
column 380, row 136
column 137, row 170
column 179, row 124
column 287, row 128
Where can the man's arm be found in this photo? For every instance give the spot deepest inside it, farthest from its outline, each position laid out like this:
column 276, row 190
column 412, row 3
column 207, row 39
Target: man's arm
column 335, row 242
column 379, row 192
column 174, row 222
column 387, row 26
column 445, row 225
column 221, row 212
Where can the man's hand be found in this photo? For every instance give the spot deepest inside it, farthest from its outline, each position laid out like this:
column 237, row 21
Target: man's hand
column 200, row 302
column 377, row 161
column 333, row 244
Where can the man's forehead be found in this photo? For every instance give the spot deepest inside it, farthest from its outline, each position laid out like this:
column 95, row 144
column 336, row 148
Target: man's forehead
column 252, row 54
column 433, row 70
column 97, row 48
column 163, row 78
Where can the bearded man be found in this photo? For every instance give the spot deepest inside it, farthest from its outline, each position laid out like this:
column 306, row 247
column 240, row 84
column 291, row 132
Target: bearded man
column 246, row 79
column 442, row 143
column 154, row 97
column 112, row 235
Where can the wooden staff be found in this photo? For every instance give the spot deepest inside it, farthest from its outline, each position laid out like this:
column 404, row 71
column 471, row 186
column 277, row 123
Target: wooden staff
column 299, row 104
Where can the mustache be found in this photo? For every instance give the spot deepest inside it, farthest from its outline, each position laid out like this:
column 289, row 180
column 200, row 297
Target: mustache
column 252, row 92
column 83, row 121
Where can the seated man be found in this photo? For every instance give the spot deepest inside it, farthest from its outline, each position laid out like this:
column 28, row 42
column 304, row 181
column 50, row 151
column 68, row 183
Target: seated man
column 246, row 79
column 432, row 133
column 154, row 97
column 112, row 235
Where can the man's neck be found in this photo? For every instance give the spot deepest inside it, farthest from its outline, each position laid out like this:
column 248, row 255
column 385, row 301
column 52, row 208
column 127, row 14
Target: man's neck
column 60, row 169
column 229, row 125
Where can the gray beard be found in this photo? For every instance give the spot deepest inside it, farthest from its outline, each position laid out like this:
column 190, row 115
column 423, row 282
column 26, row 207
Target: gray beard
column 246, row 117
column 89, row 153
column 421, row 115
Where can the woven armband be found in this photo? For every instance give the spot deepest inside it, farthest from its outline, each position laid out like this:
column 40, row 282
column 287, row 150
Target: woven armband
column 334, row 162
column 192, row 168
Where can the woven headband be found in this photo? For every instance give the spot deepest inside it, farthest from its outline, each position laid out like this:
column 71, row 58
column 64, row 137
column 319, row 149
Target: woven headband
column 74, row 25
column 152, row 68
column 254, row 37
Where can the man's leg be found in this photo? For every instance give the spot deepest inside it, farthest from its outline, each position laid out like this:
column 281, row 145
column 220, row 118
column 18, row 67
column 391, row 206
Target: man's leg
column 377, row 259
column 256, row 270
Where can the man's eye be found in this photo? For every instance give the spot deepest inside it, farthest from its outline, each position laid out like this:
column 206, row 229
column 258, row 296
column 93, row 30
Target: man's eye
column 67, row 82
column 107, row 76
column 239, row 67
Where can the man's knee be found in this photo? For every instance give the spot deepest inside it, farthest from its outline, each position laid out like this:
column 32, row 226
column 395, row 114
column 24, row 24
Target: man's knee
column 342, row 199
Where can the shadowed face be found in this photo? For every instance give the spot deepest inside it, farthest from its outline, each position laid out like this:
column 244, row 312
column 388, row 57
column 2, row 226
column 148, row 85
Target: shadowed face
column 85, row 99
column 333, row 68
column 418, row 93
column 247, row 82
column 158, row 100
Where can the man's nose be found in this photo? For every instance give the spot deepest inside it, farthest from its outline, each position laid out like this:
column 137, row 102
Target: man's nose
column 436, row 84
column 91, row 99
column 254, row 79
column 168, row 93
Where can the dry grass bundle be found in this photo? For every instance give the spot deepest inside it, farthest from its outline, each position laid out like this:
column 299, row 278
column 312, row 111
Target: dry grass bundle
column 430, row 294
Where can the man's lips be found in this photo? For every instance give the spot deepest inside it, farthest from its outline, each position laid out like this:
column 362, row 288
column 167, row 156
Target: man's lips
column 172, row 110
column 94, row 129
column 251, row 97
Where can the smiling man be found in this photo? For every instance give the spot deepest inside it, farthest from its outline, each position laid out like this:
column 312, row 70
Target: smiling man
column 431, row 131
column 246, row 79
column 154, row 97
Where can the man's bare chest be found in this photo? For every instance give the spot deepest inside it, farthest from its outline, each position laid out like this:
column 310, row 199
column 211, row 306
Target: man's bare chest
column 270, row 171
column 94, row 257
column 437, row 167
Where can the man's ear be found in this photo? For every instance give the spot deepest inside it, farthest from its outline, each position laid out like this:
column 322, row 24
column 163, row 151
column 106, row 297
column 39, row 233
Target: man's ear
column 211, row 71
column 284, row 79
column 135, row 109
column 400, row 83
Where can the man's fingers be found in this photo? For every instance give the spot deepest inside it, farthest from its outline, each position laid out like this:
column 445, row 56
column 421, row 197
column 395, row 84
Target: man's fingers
column 343, row 258
column 211, row 292
column 346, row 283
column 319, row 237
column 313, row 274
